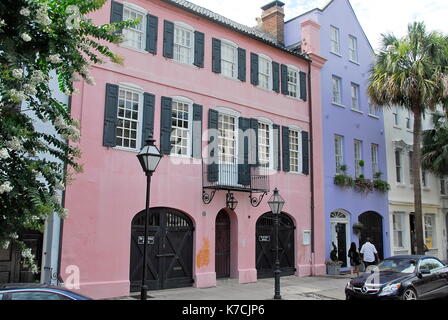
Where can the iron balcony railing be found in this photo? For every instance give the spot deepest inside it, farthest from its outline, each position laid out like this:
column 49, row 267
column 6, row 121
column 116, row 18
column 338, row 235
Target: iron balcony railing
column 235, row 177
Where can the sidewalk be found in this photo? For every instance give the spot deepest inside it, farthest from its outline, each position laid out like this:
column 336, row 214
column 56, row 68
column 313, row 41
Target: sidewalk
column 292, row 288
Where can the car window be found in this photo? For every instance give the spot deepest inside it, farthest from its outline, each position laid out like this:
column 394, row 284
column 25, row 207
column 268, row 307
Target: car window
column 398, row 265
column 430, row 264
column 36, row 295
column 1, row 296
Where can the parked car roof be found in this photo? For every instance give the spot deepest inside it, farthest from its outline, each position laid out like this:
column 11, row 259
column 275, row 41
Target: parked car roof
column 37, row 286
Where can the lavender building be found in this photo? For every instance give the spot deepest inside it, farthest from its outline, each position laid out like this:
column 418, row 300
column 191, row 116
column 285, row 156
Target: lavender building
column 353, row 129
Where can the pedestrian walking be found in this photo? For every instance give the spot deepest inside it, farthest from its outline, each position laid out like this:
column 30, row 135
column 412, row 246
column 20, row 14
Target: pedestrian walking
column 355, row 259
column 369, row 253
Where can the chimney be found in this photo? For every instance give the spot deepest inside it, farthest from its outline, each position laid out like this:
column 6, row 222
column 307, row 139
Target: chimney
column 272, row 20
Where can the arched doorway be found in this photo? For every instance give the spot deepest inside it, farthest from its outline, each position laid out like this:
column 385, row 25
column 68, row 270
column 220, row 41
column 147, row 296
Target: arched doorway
column 265, row 245
column 169, row 253
column 222, row 245
column 340, row 234
column 373, row 228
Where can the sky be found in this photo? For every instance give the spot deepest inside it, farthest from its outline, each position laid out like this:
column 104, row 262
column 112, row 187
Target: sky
column 376, row 16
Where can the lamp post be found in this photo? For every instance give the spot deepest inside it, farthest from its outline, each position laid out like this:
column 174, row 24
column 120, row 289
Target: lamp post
column 231, row 202
column 149, row 158
column 276, row 203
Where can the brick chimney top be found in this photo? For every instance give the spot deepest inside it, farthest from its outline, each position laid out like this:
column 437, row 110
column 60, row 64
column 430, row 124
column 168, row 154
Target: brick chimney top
column 272, row 20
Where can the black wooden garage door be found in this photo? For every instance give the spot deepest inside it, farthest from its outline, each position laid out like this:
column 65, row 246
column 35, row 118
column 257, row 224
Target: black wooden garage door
column 266, row 246
column 170, row 250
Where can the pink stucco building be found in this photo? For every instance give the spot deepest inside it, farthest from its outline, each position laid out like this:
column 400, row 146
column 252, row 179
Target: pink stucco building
column 197, row 82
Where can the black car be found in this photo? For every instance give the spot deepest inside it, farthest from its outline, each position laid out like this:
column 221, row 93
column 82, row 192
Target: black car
column 403, row 278
column 37, row 292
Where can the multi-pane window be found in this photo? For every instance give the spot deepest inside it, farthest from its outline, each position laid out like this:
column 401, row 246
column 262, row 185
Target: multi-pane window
column 411, row 169
column 229, row 60
column 424, row 179
column 375, row 166
column 292, row 82
column 372, row 108
column 398, row 166
column 442, row 186
column 358, row 157
column 409, row 121
column 227, row 138
column 180, row 132
column 183, row 44
column 294, row 150
column 398, row 225
column 337, row 90
column 134, row 36
column 264, row 144
column 430, row 234
column 355, row 96
column 335, row 40
column 128, row 118
column 265, row 73
column 353, row 49
column 339, row 152
column 396, row 118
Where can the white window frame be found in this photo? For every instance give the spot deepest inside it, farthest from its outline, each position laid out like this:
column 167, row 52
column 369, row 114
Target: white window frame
column 269, row 60
column 373, row 110
column 398, row 217
column 430, row 229
column 184, row 27
column 339, row 87
column 339, row 158
column 236, row 115
column 268, row 123
column 409, row 121
column 234, row 46
column 374, row 151
column 291, row 84
column 139, row 10
column 396, row 117
column 411, row 168
column 138, row 90
column 352, row 40
column 189, row 102
column 357, row 147
column 355, row 91
column 335, row 42
column 299, row 149
column 443, row 187
column 398, row 166
column 424, row 179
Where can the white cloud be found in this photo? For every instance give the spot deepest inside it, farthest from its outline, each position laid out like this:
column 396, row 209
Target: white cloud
column 376, row 17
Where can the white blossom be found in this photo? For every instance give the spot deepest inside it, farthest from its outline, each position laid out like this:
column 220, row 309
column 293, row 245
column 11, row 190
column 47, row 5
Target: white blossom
column 90, row 80
column 64, row 214
column 42, row 17
column 5, row 244
column 26, row 37
column 59, row 186
column 17, row 95
column 29, row 89
column 37, row 77
column 57, row 198
column 4, row 153
column 85, row 70
column 14, row 236
column 15, row 144
column 27, row 254
column 17, row 73
column 54, row 58
column 34, row 269
column 2, row 23
column 25, row 12
column 6, row 187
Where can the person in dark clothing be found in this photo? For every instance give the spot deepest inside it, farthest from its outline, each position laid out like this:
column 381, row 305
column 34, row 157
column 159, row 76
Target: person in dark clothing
column 355, row 259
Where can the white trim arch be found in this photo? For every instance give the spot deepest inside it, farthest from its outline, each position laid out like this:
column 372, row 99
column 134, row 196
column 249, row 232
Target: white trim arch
column 340, row 217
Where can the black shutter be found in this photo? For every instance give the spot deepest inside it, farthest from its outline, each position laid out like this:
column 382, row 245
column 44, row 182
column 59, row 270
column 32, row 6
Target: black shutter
column 197, row 131
column 277, row 147
column 168, row 39
column 116, row 13
column 148, row 116
column 216, row 55
column 242, row 64
column 303, row 81
column 254, row 69
column 255, row 161
column 243, row 158
column 199, row 49
column 284, row 79
column 275, row 76
column 305, row 153
column 285, row 148
column 165, row 125
column 110, row 115
column 212, row 172
column 152, row 23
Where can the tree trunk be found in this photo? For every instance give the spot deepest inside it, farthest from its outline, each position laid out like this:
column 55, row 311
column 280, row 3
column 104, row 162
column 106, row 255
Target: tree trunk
column 416, row 167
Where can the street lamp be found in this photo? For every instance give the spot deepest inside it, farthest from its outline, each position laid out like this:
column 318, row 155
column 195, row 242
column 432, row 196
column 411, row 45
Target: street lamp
column 149, row 158
column 231, row 202
column 276, row 203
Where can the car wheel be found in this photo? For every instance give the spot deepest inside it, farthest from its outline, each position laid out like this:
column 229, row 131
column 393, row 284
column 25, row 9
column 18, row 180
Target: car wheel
column 409, row 294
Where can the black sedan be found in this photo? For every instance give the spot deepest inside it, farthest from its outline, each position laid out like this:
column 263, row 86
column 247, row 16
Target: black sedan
column 403, row 278
column 37, row 292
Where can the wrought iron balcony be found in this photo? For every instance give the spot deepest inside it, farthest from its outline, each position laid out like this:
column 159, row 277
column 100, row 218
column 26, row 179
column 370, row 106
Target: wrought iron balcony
column 234, row 177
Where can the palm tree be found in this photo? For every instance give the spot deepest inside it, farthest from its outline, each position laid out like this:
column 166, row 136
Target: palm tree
column 412, row 72
column 435, row 146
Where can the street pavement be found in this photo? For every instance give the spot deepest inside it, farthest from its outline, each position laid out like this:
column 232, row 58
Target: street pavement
column 292, row 288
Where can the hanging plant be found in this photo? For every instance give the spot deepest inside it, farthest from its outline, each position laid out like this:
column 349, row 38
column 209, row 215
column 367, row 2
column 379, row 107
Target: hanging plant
column 357, row 228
